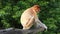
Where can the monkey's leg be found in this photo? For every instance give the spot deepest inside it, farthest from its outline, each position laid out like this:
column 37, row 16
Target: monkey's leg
column 29, row 23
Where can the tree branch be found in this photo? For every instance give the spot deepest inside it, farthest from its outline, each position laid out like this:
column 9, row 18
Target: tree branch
column 19, row 31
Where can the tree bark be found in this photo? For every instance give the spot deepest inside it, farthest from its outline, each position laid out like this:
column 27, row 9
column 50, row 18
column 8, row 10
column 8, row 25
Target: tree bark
column 19, row 31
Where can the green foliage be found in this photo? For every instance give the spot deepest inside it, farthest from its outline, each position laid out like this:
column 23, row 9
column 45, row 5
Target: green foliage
column 11, row 10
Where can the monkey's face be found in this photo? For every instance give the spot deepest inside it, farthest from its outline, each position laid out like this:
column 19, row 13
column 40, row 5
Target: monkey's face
column 36, row 8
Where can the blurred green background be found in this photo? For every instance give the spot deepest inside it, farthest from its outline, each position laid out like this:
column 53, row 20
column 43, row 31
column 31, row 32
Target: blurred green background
column 11, row 10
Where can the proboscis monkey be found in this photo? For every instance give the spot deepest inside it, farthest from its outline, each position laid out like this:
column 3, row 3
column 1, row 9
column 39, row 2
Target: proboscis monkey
column 29, row 17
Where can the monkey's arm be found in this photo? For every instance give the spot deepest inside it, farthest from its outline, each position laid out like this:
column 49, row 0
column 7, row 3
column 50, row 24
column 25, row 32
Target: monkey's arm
column 30, row 22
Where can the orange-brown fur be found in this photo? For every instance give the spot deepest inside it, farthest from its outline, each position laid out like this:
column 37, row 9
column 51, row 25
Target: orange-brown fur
column 26, row 17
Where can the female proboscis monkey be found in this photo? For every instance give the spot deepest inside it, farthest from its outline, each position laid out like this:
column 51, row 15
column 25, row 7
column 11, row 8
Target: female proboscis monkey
column 29, row 17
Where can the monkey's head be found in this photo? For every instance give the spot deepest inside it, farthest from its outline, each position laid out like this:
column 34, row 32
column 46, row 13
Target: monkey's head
column 36, row 8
